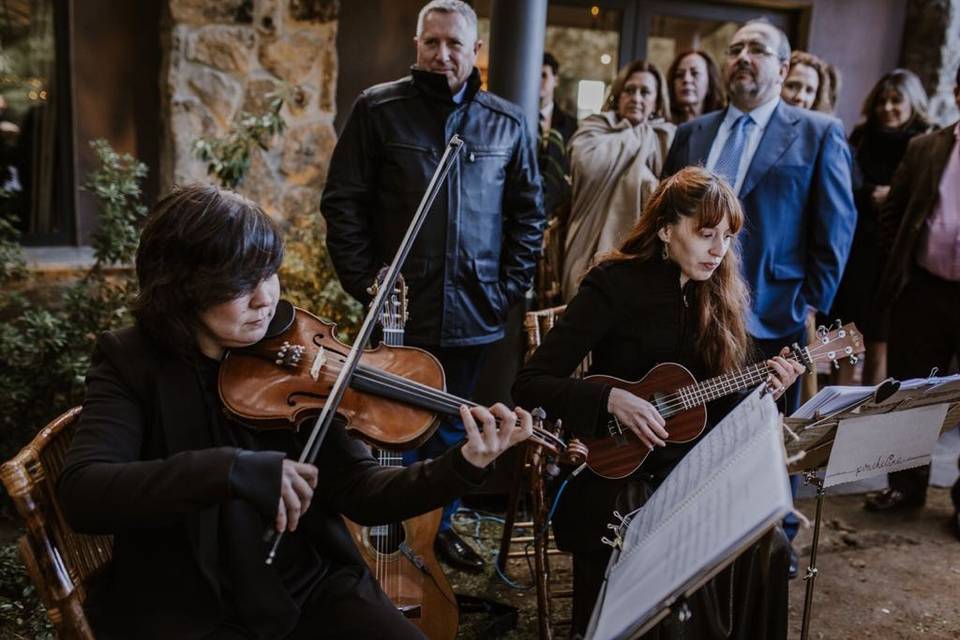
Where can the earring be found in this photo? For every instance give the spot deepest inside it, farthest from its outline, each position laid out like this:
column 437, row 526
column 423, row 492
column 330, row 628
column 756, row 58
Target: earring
column 664, row 253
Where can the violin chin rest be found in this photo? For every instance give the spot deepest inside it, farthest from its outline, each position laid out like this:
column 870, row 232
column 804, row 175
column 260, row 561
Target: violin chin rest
column 282, row 319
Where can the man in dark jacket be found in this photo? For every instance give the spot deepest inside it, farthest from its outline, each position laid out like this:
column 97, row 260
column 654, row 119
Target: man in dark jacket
column 476, row 253
column 920, row 284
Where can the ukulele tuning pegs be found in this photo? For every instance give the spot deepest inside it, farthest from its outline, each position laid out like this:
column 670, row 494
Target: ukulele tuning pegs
column 836, row 365
column 854, row 359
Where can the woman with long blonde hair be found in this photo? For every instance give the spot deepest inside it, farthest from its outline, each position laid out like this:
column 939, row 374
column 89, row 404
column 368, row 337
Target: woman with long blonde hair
column 672, row 292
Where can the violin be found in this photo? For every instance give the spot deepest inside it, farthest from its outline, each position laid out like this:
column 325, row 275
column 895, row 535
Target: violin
column 394, row 399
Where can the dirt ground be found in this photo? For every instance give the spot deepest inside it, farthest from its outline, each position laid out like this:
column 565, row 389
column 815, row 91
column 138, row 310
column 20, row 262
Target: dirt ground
column 880, row 576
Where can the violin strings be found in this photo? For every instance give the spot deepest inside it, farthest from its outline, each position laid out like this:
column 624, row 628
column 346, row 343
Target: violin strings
column 442, row 400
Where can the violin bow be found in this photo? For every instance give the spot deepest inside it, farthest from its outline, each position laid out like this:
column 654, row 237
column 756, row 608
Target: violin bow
column 325, row 419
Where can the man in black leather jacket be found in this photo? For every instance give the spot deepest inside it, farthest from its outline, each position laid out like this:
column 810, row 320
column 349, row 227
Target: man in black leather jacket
column 476, row 253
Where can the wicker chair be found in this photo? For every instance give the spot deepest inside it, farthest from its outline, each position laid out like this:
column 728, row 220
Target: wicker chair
column 529, row 478
column 60, row 562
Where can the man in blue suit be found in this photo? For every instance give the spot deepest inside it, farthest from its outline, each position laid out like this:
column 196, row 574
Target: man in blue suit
column 791, row 169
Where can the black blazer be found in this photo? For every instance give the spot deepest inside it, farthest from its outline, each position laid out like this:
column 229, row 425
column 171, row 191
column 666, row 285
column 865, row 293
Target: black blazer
column 141, row 467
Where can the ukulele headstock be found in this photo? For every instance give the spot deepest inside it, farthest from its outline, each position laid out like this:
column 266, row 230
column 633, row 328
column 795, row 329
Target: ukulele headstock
column 832, row 344
column 394, row 314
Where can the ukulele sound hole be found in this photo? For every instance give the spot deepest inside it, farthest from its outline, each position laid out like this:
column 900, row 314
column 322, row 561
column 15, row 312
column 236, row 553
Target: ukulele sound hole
column 386, row 539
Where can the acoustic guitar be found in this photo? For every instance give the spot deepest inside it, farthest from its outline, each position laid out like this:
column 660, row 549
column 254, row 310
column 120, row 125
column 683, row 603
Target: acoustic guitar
column 400, row 554
column 681, row 400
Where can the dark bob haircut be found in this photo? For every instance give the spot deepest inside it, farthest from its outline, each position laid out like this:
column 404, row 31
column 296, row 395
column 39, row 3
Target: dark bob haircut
column 201, row 246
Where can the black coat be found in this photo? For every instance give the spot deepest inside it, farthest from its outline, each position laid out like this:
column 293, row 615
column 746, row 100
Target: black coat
column 476, row 253
column 143, row 467
column 876, row 153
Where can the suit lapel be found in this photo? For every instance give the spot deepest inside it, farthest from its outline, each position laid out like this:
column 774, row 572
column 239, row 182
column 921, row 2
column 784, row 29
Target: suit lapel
column 701, row 139
column 778, row 136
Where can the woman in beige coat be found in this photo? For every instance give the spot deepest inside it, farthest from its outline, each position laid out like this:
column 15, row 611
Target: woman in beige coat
column 615, row 160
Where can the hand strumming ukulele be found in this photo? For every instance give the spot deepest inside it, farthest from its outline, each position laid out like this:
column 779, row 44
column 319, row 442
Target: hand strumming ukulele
column 681, row 400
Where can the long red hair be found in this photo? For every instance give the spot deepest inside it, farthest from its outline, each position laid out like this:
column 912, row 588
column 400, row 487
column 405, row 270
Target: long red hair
column 722, row 300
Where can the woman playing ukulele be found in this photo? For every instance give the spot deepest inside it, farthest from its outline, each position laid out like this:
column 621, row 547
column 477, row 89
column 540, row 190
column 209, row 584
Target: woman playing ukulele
column 671, row 293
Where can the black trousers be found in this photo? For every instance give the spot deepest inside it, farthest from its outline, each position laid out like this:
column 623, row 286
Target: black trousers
column 787, row 403
column 461, row 368
column 924, row 333
column 346, row 604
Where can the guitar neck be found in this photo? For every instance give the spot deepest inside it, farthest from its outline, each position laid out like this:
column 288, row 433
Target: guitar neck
column 701, row 393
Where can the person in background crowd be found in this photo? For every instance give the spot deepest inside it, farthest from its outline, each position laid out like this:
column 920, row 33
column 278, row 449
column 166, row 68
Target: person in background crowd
column 476, row 254
column 919, row 232
column 811, row 83
column 615, row 160
column 894, row 112
column 552, row 116
column 695, row 86
column 556, row 128
column 671, row 292
column 790, row 168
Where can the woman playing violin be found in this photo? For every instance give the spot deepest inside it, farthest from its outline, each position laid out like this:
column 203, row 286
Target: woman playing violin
column 671, row 293
column 187, row 492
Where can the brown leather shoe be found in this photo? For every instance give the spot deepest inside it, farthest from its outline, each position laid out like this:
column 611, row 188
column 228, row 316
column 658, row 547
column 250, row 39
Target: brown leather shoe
column 892, row 500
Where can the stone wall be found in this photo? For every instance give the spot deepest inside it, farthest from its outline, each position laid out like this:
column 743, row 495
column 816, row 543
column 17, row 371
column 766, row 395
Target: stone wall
column 931, row 49
column 222, row 58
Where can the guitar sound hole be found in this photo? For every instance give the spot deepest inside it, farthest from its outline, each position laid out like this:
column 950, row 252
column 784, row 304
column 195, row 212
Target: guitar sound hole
column 386, row 539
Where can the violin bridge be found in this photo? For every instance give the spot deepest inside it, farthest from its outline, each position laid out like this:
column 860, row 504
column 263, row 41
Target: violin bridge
column 318, row 362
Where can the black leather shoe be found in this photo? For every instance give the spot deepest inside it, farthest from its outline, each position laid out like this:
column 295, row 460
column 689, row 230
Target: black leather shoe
column 794, row 564
column 458, row 554
column 892, row 500
column 955, row 524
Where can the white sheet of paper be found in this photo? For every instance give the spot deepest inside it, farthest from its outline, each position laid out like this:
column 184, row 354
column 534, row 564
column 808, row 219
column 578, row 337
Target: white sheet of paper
column 730, row 487
column 868, row 446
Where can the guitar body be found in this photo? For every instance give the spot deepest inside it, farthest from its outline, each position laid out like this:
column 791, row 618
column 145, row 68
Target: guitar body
column 400, row 554
column 423, row 596
column 620, row 453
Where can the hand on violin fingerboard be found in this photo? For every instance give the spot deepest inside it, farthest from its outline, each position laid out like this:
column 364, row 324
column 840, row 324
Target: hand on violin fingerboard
column 486, row 439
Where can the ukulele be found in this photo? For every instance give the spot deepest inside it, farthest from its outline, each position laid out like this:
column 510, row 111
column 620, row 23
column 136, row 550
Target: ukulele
column 681, row 400
column 400, row 554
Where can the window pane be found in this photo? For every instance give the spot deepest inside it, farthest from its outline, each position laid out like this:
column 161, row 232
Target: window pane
column 586, row 42
column 31, row 153
column 669, row 35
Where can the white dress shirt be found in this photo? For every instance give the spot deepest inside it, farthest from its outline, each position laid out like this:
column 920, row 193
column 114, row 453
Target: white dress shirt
column 761, row 118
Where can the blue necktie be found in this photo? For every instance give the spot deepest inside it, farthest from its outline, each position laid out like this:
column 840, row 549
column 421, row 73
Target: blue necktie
column 728, row 162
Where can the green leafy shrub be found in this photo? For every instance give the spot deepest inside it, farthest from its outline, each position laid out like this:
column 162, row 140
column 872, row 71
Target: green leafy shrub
column 45, row 352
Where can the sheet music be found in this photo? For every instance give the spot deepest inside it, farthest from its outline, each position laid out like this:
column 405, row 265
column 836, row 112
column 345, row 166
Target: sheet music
column 726, row 490
column 871, row 445
column 837, row 398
